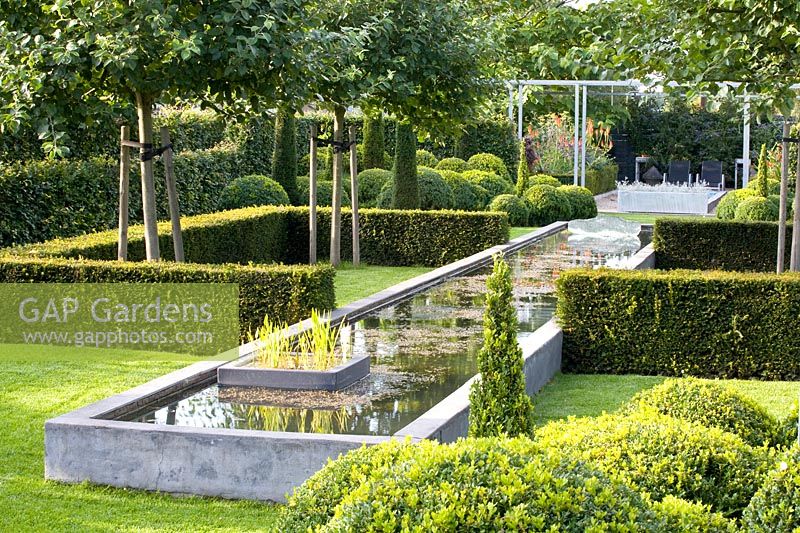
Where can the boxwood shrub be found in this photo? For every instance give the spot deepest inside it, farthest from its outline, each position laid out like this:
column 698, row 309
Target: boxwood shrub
column 467, row 195
column 280, row 234
column 711, row 405
column 775, row 508
column 489, row 163
column 434, row 192
column 478, row 485
column 547, row 205
column 452, row 163
column 704, row 324
column 426, row 159
column 370, row 183
column 726, row 208
column 756, row 208
column 284, row 293
column 665, row 456
column 581, row 201
column 515, row 207
column 253, row 190
column 543, row 179
column 706, row 244
column 787, row 427
column 494, row 184
column 324, row 192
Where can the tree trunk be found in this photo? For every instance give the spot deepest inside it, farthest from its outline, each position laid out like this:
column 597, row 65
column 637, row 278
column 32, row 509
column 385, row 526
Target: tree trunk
column 784, row 195
column 312, row 197
column 354, row 196
column 338, row 172
column 172, row 196
column 144, row 108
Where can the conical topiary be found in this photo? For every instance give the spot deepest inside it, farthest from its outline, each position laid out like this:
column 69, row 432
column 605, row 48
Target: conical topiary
column 284, row 155
column 499, row 404
column 522, row 170
column 373, row 141
column 406, row 183
column 762, row 184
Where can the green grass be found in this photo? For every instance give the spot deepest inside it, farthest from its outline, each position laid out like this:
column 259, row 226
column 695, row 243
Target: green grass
column 519, row 232
column 38, row 383
column 592, row 395
column 352, row 283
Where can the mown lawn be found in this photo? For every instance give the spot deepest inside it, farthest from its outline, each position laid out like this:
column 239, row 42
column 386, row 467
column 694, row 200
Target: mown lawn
column 353, row 283
column 37, row 383
column 519, row 232
column 591, row 395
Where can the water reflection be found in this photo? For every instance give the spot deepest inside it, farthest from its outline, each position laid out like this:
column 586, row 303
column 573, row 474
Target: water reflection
column 422, row 349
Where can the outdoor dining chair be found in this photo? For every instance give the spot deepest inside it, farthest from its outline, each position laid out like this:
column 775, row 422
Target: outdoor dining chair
column 678, row 172
column 711, row 174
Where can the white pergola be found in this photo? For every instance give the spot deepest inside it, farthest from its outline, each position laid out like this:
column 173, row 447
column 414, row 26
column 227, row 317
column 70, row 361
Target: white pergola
column 634, row 87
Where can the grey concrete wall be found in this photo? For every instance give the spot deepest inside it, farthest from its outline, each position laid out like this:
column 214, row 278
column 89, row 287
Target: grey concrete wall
column 448, row 420
column 256, row 465
column 644, row 259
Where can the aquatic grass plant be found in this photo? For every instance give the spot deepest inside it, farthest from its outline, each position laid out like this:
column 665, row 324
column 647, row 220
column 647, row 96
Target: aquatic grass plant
column 314, row 349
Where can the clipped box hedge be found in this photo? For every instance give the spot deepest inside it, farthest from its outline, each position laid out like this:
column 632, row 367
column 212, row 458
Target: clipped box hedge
column 712, row 244
column 284, row 293
column 280, row 235
column 681, row 323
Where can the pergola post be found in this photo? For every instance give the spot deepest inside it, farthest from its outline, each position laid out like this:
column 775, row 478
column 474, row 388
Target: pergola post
column 583, row 140
column 575, row 144
column 510, row 102
column 746, row 141
column 520, row 89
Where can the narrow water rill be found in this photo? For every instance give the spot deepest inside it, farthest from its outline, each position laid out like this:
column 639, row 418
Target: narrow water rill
column 421, row 349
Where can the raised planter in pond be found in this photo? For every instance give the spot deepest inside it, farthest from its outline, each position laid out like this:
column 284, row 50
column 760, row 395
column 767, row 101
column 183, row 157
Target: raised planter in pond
column 244, row 373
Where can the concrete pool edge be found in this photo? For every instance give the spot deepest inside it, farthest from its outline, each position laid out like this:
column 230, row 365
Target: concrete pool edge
column 89, row 444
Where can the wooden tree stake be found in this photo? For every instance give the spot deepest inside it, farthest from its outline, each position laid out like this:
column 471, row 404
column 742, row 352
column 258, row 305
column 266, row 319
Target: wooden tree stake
column 795, row 256
column 172, row 196
column 354, row 196
column 312, row 197
column 124, row 174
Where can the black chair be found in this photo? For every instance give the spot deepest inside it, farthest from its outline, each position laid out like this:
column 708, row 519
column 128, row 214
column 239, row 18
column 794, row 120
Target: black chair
column 678, row 172
column 711, row 174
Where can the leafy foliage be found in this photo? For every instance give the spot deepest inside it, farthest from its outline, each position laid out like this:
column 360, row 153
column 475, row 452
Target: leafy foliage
column 434, row 192
column 499, row 404
column 324, row 192
column 494, row 184
column 761, row 177
column 514, row 206
column 284, row 158
column 479, row 484
column 726, row 208
column 710, row 405
column 708, row 244
column 253, row 190
column 453, row 164
column 467, row 195
column 370, row 183
column 665, row 456
column 547, row 205
column 406, row 184
column 426, row 159
column 374, row 146
column 581, row 201
column 756, row 208
column 489, row 163
column 774, row 507
column 285, row 293
column 704, row 324
column 543, row 179
column 522, row 171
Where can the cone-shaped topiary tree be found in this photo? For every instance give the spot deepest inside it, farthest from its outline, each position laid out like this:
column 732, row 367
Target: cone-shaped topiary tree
column 498, row 401
column 284, row 155
column 522, row 170
column 373, row 141
column 762, row 183
column 406, row 185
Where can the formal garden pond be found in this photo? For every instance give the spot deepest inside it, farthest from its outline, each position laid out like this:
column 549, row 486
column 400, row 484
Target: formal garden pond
column 422, row 349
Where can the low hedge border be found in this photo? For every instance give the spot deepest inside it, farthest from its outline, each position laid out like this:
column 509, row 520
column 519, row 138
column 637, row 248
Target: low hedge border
column 712, row 244
column 280, row 234
column 284, row 293
column 680, row 323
